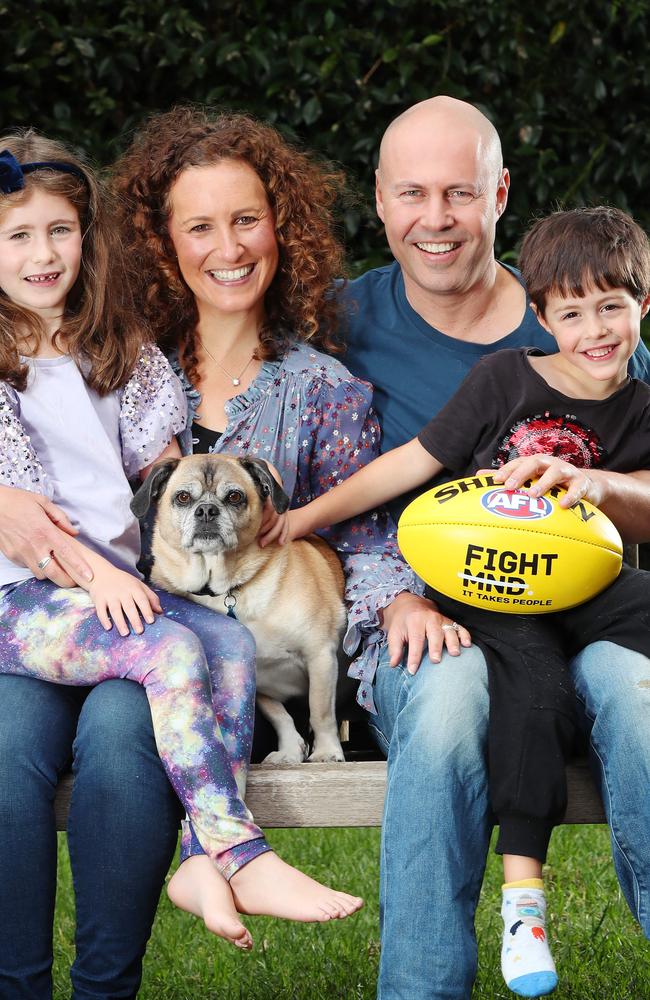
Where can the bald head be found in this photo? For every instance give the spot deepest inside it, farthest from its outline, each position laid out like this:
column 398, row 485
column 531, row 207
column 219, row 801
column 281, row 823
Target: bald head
column 441, row 188
column 449, row 120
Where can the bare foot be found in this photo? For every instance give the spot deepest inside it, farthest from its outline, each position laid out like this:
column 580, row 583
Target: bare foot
column 269, row 886
column 200, row 889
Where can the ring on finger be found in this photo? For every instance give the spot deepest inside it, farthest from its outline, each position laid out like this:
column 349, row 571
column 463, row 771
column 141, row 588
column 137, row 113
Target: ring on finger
column 45, row 561
column 453, row 627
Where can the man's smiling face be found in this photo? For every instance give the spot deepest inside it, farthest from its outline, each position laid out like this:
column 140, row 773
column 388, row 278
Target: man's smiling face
column 440, row 190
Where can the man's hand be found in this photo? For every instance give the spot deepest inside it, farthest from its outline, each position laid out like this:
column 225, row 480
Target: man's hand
column 33, row 528
column 549, row 470
column 120, row 597
column 413, row 621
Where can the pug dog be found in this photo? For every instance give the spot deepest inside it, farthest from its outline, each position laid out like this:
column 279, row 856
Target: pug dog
column 209, row 511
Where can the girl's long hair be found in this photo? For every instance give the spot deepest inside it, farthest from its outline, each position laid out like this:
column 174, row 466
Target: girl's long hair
column 99, row 326
column 301, row 192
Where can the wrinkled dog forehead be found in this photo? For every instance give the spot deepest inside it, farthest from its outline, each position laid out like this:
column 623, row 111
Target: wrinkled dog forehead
column 201, row 475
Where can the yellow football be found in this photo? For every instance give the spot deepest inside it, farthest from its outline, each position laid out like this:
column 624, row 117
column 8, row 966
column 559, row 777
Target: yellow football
column 504, row 550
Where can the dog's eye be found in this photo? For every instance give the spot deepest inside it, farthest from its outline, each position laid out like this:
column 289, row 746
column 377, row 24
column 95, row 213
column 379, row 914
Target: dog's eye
column 235, row 497
column 183, row 497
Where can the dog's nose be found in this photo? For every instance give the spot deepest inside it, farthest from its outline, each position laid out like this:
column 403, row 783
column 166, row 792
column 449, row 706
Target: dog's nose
column 206, row 512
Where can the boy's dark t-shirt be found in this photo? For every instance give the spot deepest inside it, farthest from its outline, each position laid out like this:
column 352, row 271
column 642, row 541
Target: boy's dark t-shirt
column 505, row 409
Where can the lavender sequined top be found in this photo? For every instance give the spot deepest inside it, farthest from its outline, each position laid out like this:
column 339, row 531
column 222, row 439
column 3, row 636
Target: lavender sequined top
column 314, row 421
column 59, row 438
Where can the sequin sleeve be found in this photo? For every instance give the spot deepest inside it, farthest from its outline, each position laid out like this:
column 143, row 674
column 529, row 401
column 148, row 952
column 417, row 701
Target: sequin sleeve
column 153, row 409
column 340, row 434
column 19, row 464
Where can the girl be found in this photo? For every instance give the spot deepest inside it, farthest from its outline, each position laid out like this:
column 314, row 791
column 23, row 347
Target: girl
column 86, row 405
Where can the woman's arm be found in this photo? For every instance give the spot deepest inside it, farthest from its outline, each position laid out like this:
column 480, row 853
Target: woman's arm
column 31, row 528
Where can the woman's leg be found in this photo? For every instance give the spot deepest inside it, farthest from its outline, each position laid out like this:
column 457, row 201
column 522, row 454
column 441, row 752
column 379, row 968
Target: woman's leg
column 37, row 727
column 122, row 832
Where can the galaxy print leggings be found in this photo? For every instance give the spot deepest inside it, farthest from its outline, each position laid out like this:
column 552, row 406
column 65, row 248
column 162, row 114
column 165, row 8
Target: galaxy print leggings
column 198, row 670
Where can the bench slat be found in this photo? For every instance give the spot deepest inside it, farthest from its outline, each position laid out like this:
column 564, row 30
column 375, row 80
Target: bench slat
column 350, row 794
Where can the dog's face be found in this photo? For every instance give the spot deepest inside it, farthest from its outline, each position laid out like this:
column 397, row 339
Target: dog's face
column 209, row 503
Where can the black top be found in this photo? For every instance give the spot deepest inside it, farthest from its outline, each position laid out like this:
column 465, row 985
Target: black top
column 505, row 409
column 203, row 439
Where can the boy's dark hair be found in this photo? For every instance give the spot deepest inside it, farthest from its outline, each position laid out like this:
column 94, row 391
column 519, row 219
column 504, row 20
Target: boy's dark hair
column 567, row 252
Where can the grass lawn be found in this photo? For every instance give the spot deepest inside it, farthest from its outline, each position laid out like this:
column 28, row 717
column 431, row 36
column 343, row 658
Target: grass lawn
column 599, row 950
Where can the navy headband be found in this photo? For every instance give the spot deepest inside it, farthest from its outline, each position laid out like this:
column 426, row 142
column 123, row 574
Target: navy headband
column 12, row 173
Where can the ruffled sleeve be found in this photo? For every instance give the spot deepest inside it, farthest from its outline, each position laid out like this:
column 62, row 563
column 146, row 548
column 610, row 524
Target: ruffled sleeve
column 19, row 464
column 153, row 409
column 339, row 434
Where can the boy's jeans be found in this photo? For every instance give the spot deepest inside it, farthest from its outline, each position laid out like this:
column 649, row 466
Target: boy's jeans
column 436, row 829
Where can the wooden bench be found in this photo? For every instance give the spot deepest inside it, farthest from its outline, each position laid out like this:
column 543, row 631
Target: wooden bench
column 350, row 794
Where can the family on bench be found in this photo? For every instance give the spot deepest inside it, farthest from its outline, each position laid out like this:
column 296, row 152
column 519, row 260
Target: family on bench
column 194, row 304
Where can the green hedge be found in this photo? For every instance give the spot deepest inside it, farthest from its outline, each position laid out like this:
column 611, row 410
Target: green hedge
column 566, row 87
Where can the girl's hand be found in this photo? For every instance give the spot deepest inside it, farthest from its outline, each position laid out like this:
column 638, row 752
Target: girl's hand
column 120, row 597
column 549, row 470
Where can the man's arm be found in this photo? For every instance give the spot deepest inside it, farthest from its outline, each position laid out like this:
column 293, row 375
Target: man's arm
column 31, row 528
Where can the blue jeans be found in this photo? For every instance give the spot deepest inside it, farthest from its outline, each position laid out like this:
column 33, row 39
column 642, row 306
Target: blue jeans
column 613, row 689
column 433, row 728
column 122, row 832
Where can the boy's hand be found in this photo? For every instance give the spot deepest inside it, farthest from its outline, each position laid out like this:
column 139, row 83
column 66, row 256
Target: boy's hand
column 273, row 527
column 549, row 471
column 120, row 597
column 283, row 528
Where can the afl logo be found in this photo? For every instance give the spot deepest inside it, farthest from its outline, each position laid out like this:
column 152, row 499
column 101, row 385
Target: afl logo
column 516, row 505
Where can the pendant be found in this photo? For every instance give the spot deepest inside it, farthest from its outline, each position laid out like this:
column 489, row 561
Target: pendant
column 236, row 381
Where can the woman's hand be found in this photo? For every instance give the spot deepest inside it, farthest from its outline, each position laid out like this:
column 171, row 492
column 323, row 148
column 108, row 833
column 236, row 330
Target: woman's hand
column 32, row 528
column 120, row 597
column 549, row 471
column 413, row 621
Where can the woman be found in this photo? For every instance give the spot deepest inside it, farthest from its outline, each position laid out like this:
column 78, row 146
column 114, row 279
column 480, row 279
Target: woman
column 232, row 230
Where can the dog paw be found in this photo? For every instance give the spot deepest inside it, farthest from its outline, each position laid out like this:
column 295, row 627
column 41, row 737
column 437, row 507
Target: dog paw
column 285, row 757
column 328, row 756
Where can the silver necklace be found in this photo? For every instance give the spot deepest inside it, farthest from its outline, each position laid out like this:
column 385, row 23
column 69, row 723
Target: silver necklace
column 235, row 379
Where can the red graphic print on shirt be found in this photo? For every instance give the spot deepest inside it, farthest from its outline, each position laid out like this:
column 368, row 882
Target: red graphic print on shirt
column 545, row 434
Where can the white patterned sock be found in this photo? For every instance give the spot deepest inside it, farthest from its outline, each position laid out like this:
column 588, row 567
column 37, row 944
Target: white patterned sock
column 526, row 961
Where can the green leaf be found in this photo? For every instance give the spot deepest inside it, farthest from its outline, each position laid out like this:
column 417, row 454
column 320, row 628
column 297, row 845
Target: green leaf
column 311, row 111
column 557, row 32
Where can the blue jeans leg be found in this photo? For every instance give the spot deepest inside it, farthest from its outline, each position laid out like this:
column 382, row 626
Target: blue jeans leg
column 613, row 686
column 37, row 726
column 436, row 829
column 122, row 833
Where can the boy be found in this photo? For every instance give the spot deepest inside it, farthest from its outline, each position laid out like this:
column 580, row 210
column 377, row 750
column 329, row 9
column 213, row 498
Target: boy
column 587, row 272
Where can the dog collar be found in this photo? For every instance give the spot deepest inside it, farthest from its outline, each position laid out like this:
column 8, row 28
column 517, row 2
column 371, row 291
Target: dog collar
column 229, row 599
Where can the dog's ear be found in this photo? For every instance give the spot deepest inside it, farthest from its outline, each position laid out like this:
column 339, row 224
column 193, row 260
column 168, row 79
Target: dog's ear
column 152, row 487
column 266, row 483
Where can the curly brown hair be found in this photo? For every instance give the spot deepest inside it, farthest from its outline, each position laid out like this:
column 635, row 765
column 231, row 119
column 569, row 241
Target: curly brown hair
column 99, row 325
column 301, row 193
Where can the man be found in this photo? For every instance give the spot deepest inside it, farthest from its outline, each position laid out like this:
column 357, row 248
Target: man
column 415, row 328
